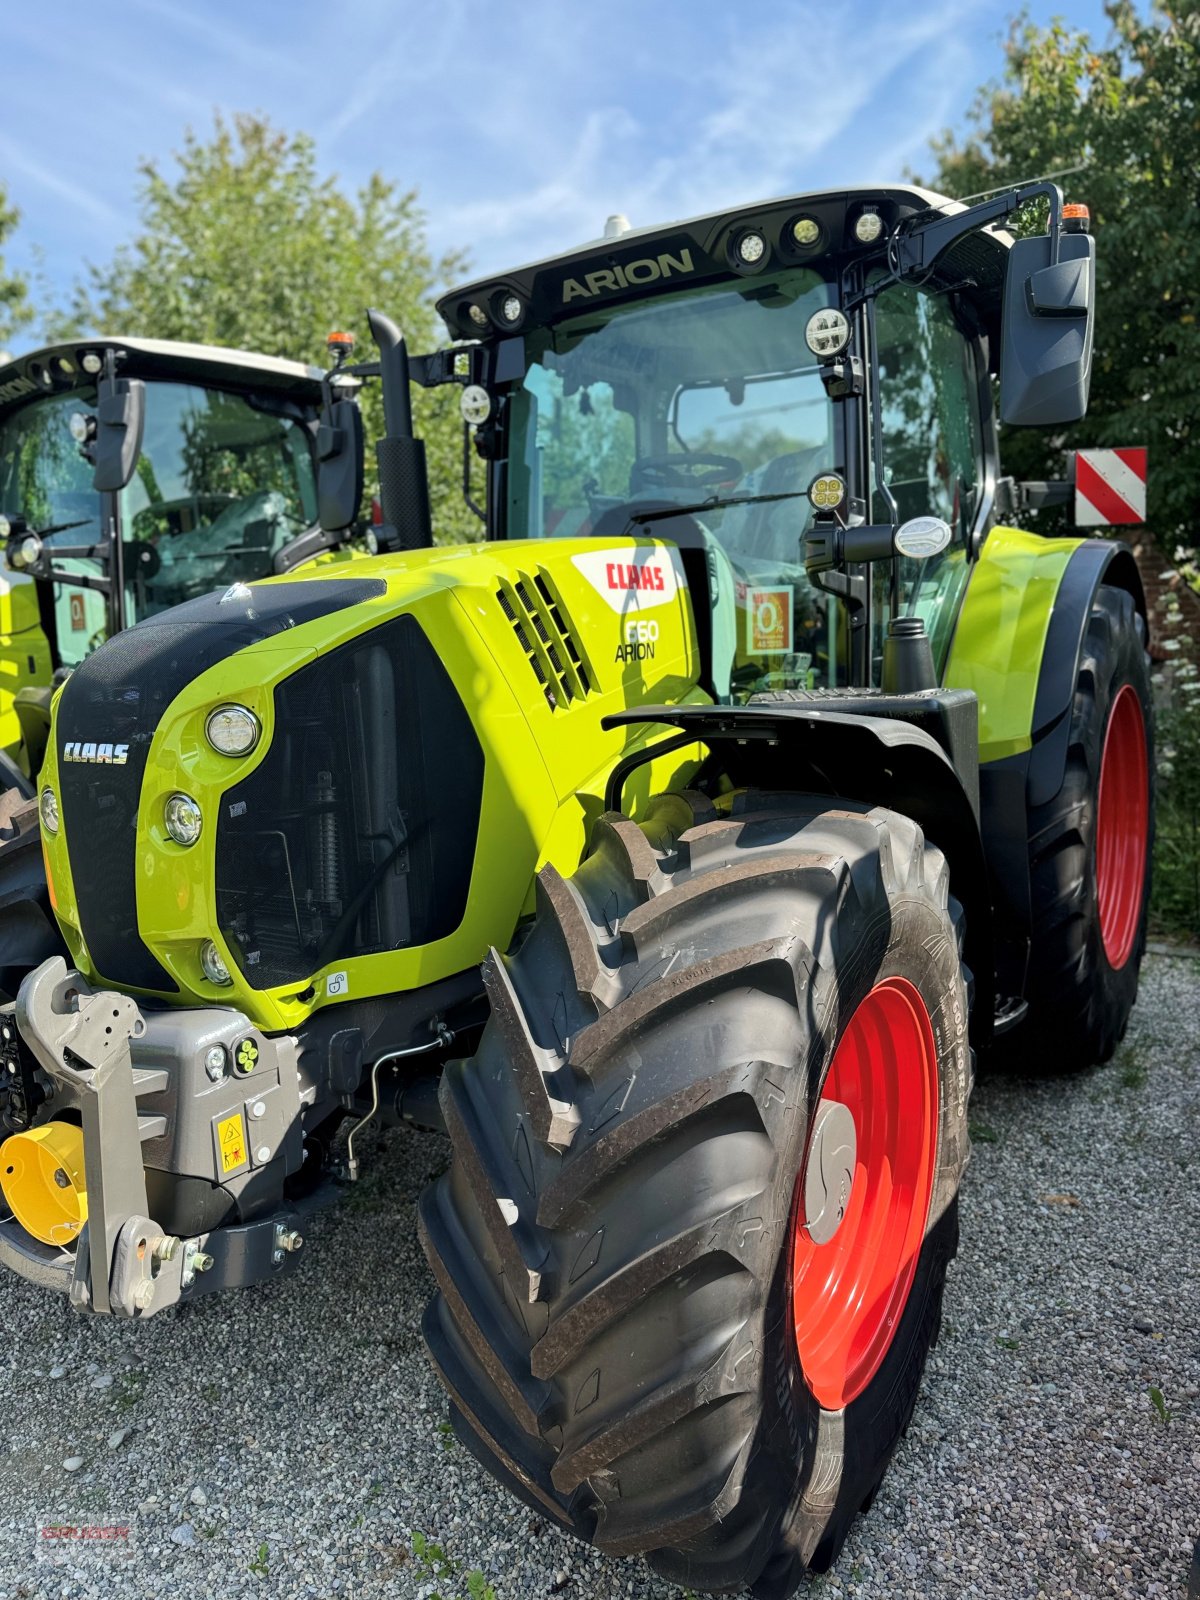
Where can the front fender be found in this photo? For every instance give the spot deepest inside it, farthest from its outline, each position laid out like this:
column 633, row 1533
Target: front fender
column 877, row 760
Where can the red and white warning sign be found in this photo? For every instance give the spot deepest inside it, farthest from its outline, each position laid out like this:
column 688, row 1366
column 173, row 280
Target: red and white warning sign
column 1110, row 487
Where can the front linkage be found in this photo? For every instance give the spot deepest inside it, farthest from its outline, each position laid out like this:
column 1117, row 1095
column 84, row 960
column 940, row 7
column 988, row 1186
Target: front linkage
column 226, row 1097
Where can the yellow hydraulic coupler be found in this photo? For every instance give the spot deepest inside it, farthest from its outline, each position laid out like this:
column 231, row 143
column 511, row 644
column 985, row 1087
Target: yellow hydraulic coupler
column 41, row 1173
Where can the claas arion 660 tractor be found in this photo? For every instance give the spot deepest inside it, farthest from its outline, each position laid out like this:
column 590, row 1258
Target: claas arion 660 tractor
column 674, row 850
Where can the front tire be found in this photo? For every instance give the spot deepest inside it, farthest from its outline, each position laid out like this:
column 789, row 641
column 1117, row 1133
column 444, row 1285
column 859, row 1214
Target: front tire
column 636, row 1325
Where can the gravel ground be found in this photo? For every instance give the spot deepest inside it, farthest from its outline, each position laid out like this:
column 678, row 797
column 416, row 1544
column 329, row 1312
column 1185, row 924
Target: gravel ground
column 289, row 1441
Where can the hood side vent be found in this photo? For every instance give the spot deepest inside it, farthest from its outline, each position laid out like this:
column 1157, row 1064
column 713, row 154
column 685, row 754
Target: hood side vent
column 544, row 632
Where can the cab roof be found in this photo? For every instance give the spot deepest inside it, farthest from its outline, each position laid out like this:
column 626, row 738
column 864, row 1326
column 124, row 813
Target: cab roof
column 629, row 263
column 58, row 368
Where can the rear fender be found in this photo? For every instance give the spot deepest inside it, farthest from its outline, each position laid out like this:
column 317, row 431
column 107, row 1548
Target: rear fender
column 1018, row 644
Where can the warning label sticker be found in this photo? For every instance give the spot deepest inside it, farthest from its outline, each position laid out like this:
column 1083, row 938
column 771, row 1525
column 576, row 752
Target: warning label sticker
column 78, row 617
column 769, row 621
column 231, row 1142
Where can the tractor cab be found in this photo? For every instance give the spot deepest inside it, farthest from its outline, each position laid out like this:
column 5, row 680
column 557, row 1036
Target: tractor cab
column 742, row 382
column 136, row 474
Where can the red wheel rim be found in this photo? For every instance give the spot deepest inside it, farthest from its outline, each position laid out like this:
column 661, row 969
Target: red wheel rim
column 848, row 1294
column 1122, row 823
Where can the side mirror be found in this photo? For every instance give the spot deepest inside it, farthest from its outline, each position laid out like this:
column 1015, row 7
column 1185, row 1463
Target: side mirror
column 120, row 423
column 339, row 465
column 1046, row 335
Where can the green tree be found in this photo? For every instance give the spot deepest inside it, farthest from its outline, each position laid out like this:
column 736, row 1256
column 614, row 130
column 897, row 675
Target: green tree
column 15, row 309
column 1128, row 112
column 246, row 245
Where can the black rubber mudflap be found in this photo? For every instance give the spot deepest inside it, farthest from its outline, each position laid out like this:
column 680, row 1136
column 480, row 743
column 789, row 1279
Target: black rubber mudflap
column 609, row 1242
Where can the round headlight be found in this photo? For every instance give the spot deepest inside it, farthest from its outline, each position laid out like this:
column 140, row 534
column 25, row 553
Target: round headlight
column 827, row 333
column 478, row 315
column 5, row 527
column 868, row 227
column 79, row 426
column 213, row 964
column 27, row 552
column 233, row 730
column 751, row 248
column 91, row 362
column 826, row 492
column 183, row 819
column 48, row 808
column 511, row 308
column 806, row 231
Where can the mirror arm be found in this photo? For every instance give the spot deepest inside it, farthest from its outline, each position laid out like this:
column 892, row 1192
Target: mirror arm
column 920, row 246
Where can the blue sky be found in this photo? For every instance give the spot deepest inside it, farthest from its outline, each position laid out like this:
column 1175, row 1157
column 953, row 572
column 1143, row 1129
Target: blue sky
column 522, row 125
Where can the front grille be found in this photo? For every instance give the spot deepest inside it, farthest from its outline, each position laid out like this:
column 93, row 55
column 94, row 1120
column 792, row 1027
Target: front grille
column 544, row 632
column 356, row 833
column 118, row 695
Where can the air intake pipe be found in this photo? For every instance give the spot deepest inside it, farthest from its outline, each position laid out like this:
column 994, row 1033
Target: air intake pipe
column 403, row 476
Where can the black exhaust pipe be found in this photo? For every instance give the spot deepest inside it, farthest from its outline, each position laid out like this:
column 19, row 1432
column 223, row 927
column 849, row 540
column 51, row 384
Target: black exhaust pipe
column 403, row 475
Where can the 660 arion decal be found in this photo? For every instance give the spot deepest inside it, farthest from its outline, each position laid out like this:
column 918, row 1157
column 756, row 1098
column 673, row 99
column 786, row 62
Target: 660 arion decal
column 632, row 579
column 1110, row 487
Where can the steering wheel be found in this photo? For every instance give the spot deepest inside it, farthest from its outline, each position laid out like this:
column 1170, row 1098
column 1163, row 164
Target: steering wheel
column 674, row 471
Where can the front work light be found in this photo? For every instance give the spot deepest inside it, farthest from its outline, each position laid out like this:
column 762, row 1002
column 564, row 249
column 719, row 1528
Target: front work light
column 232, row 730
column 751, row 248
column 826, row 493
column 827, row 333
column 511, row 308
column 806, row 231
column 868, row 227
column 183, row 818
column 213, row 964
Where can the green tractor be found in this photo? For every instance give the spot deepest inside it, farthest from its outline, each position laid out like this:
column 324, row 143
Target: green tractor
column 675, row 850
column 134, row 474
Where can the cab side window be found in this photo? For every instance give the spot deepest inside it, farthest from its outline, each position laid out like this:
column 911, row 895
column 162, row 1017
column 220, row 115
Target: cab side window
column 932, row 443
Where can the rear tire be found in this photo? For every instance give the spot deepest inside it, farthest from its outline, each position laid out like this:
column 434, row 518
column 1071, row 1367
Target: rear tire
column 1089, row 857
column 615, row 1239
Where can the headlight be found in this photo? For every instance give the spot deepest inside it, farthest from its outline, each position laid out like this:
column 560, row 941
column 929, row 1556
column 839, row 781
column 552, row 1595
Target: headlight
column 5, row 527
column 868, row 227
column 511, row 308
column 213, row 964
column 48, row 809
column 183, row 818
column 233, row 730
column 751, row 248
column 478, row 316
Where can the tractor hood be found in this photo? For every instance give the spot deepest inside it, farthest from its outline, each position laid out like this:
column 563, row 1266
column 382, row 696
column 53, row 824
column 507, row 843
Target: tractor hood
column 426, row 731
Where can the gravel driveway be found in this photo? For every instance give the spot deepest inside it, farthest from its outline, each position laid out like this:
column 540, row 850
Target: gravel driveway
column 289, row 1441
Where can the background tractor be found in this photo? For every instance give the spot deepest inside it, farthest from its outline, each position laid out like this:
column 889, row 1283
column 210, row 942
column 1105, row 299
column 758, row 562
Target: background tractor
column 674, row 850
column 134, row 474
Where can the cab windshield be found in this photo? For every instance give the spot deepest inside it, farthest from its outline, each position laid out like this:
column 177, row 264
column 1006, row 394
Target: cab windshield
column 707, row 400
column 710, row 401
column 220, row 487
